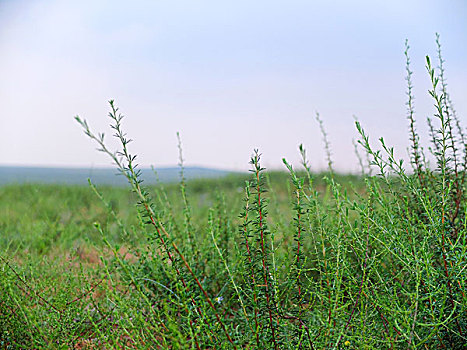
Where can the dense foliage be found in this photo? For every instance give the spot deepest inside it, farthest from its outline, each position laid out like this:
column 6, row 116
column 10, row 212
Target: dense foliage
column 255, row 262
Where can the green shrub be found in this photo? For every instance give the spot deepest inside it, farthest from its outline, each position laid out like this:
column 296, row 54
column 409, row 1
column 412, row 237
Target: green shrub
column 308, row 264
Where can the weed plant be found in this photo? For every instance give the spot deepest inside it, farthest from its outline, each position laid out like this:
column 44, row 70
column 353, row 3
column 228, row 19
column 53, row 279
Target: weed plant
column 311, row 264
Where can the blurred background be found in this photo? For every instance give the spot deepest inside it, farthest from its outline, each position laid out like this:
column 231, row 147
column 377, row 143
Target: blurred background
column 230, row 76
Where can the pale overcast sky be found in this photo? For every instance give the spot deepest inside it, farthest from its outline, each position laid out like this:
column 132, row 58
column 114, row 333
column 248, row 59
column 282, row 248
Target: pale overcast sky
column 231, row 76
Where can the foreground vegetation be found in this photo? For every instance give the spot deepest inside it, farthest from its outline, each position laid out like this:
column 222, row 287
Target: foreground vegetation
column 266, row 261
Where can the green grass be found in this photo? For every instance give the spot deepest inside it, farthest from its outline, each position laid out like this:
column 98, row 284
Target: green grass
column 277, row 260
column 38, row 218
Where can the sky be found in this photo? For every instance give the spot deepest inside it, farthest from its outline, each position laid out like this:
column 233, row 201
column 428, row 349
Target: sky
column 230, row 76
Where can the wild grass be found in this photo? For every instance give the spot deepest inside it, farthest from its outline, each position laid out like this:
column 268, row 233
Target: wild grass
column 261, row 262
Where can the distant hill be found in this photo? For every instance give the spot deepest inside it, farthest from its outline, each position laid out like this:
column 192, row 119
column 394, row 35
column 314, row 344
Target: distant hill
column 99, row 176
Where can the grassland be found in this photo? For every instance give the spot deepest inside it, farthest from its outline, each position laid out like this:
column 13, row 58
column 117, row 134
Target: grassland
column 292, row 260
column 56, row 260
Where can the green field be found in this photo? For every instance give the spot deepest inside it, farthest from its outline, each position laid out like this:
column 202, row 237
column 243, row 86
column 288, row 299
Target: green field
column 82, row 272
column 53, row 255
column 266, row 260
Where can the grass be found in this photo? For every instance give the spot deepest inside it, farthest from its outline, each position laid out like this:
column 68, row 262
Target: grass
column 277, row 260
